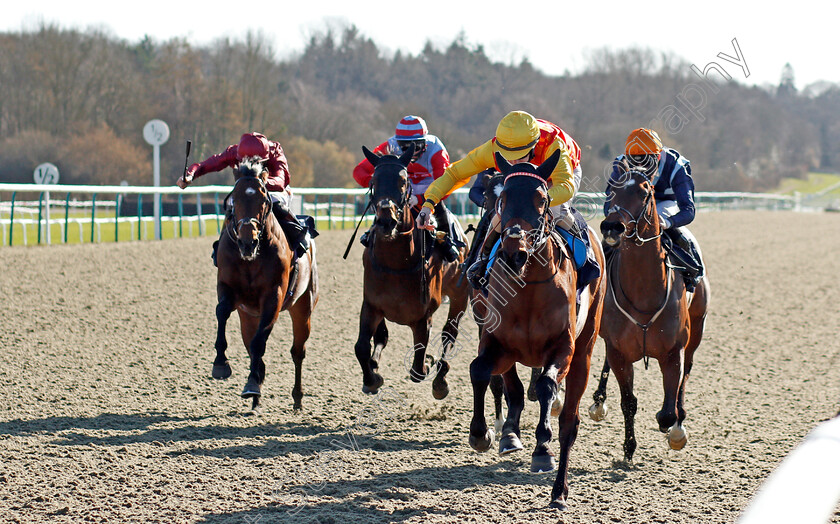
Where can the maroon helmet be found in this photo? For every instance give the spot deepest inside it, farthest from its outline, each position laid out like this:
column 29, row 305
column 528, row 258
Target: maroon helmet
column 252, row 144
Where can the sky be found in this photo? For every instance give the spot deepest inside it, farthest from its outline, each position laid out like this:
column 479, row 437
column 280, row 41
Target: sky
column 555, row 36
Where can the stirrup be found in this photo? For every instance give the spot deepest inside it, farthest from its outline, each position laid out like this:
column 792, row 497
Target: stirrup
column 475, row 273
column 365, row 239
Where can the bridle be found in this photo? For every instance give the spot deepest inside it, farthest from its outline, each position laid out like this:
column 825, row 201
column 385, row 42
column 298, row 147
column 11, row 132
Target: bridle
column 631, row 229
column 539, row 233
column 259, row 221
column 405, row 196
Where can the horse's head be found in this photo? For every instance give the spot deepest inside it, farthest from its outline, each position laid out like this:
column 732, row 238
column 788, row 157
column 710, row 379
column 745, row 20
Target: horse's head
column 391, row 190
column 249, row 207
column 523, row 208
column 493, row 183
column 631, row 209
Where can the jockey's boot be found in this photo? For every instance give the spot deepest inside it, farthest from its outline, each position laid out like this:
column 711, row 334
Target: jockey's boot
column 365, row 238
column 295, row 231
column 688, row 256
column 476, row 272
column 450, row 252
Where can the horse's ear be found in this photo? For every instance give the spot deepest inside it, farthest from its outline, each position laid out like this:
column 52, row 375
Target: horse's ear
column 372, row 157
column 502, row 163
column 405, row 158
column 547, row 167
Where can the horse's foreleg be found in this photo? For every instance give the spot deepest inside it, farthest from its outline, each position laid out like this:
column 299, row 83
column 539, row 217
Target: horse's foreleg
column 369, row 319
column 576, row 380
column 481, row 369
column 623, row 371
column 270, row 308
column 598, row 410
column 515, row 393
column 301, row 314
column 546, row 388
column 672, row 367
column 221, row 367
column 419, row 367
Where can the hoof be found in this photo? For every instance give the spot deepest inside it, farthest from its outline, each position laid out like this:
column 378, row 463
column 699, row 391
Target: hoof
column 559, row 503
column 543, row 463
column 556, row 407
column 373, row 389
column 419, row 377
column 598, row 412
column 509, row 444
column 251, row 390
column 677, row 437
column 480, row 444
column 441, row 392
column 221, row 371
column 532, row 392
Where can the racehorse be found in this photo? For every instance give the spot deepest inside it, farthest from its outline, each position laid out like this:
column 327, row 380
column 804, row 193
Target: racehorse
column 647, row 312
column 492, row 183
column 259, row 278
column 403, row 282
column 538, row 325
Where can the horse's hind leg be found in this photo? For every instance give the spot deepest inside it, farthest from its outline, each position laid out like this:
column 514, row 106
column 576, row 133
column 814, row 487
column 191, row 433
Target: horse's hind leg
column 515, row 394
column 532, row 386
column 369, row 319
column 546, row 387
column 672, row 367
column 598, row 410
column 301, row 314
column 221, row 367
column 420, row 368
column 623, row 371
column 380, row 340
column 449, row 334
column 497, row 386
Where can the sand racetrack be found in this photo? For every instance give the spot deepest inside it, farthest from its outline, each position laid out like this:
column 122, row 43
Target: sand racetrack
column 108, row 412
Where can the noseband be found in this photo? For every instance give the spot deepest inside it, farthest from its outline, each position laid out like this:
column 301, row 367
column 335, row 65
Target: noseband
column 258, row 221
column 631, row 229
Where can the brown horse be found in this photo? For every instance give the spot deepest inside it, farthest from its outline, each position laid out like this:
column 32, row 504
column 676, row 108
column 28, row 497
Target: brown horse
column 532, row 318
column 402, row 283
column 647, row 313
column 492, row 183
column 258, row 277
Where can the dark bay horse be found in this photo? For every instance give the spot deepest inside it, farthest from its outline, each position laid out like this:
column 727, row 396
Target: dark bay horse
column 647, row 312
column 531, row 300
column 492, row 183
column 258, row 279
column 402, row 283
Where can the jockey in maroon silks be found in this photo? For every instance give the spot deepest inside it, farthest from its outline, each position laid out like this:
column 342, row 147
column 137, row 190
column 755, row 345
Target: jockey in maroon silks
column 270, row 154
column 429, row 162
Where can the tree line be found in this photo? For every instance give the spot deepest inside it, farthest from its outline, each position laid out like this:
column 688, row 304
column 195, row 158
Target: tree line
column 80, row 99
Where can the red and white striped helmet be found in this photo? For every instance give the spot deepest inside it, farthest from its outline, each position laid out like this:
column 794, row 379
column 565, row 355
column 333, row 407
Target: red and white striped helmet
column 412, row 128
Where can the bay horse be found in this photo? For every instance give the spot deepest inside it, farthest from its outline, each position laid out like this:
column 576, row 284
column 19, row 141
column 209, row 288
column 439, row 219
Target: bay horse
column 258, row 277
column 647, row 312
column 492, row 183
column 538, row 325
column 403, row 283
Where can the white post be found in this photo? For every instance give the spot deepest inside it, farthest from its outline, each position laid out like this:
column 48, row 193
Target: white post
column 156, row 207
column 47, row 214
column 156, row 133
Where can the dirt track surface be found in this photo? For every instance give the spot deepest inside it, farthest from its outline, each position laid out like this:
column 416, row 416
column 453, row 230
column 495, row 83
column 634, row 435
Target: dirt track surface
column 108, row 412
